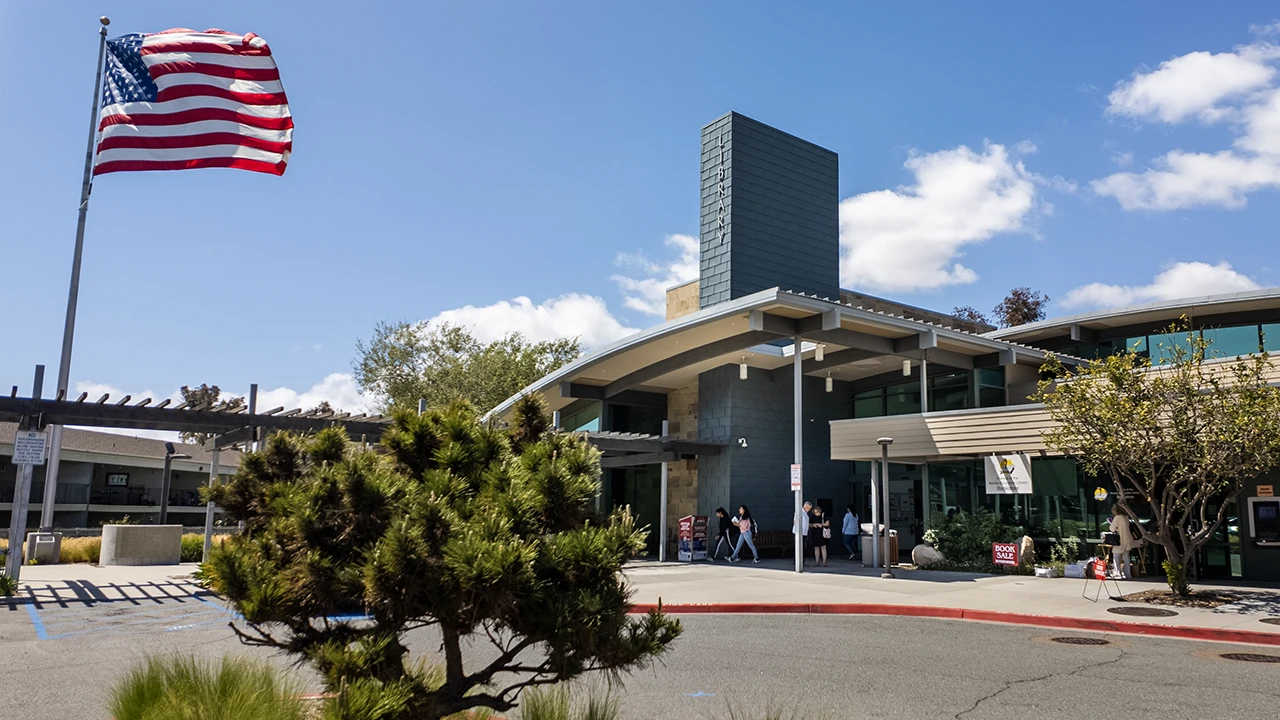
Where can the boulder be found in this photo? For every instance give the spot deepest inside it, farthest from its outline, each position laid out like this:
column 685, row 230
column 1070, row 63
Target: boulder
column 1026, row 550
column 926, row 555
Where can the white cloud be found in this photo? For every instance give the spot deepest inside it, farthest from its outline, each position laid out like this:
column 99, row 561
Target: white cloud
column 911, row 238
column 1180, row 280
column 1025, row 147
column 572, row 315
column 1272, row 28
column 1235, row 86
column 1122, row 159
column 1193, row 85
column 1181, row 179
column 339, row 389
column 649, row 294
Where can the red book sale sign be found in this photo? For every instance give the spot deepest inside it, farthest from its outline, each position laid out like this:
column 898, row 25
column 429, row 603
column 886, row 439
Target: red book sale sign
column 1004, row 554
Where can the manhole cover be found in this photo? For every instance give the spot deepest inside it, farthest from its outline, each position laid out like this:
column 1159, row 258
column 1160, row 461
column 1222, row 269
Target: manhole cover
column 1252, row 657
column 1080, row 641
column 1271, row 621
column 1140, row 611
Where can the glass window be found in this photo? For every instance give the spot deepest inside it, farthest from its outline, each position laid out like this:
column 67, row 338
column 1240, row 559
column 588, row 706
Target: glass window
column 991, row 397
column 1231, row 341
column 993, row 377
column 1271, row 337
column 1164, row 347
column 949, row 392
column 869, row 404
column 902, row 399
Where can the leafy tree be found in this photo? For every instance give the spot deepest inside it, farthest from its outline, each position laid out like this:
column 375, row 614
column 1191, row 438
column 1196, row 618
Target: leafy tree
column 405, row 362
column 323, row 407
column 206, row 396
column 1023, row 305
column 1179, row 437
column 969, row 313
column 488, row 535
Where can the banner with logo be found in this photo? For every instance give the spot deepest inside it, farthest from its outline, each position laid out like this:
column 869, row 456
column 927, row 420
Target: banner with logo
column 1008, row 474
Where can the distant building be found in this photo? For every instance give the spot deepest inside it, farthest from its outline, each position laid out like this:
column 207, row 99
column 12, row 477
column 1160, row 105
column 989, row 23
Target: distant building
column 105, row 476
column 950, row 392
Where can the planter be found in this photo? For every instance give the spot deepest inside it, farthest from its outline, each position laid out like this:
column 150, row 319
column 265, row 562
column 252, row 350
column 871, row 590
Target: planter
column 1046, row 572
column 141, row 545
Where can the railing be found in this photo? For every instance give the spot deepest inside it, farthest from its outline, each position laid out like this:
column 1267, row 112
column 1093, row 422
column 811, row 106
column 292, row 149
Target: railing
column 97, row 531
column 67, row 493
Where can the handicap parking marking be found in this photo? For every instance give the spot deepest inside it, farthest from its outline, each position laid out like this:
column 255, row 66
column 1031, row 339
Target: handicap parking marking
column 168, row 614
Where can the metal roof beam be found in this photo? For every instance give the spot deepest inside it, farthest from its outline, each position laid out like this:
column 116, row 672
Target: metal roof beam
column 637, row 398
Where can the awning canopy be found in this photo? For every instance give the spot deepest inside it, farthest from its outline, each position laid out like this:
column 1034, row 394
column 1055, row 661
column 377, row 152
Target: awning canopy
column 759, row 329
column 628, row 449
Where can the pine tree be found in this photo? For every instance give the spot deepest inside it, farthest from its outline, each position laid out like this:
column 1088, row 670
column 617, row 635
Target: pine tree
column 489, row 535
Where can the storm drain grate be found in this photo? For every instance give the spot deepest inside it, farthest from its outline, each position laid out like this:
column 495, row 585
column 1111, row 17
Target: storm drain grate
column 1140, row 611
column 1271, row 621
column 1081, row 641
column 1252, row 657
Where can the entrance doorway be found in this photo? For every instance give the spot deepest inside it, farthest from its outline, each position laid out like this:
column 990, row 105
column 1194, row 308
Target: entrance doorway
column 1220, row 556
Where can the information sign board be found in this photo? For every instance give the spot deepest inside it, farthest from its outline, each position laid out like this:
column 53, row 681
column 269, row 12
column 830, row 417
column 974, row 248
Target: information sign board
column 30, row 447
column 1004, row 554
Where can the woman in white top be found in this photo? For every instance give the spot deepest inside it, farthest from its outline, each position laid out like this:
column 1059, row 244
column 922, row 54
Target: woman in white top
column 1120, row 553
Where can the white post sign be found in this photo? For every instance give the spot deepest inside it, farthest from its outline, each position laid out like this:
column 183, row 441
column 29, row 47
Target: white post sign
column 795, row 476
column 30, row 447
column 1008, row 474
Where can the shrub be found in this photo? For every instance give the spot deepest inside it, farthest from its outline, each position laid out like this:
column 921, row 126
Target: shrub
column 554, row 703
column 184, row 688
column 8, row 586
column 80, row 550
column 965, row 539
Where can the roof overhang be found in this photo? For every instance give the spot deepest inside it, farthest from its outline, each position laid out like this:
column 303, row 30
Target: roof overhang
column 1165, row 311
column 857, row 343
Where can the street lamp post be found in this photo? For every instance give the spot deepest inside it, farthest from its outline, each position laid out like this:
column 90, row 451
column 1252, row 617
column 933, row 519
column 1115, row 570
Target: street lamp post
column 169, row 456
column 885, row 442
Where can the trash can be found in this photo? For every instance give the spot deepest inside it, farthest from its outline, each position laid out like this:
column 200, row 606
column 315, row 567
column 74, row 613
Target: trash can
column 867, row 541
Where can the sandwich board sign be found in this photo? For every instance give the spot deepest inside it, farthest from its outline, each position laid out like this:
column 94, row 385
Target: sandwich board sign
column 30, row 447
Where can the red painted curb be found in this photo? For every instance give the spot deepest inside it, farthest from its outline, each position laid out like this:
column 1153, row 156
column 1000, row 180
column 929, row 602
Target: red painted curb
column 1251, row 637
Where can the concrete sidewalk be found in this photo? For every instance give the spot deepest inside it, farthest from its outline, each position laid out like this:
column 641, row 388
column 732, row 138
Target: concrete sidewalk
column 772, row 586
column 1056, row 601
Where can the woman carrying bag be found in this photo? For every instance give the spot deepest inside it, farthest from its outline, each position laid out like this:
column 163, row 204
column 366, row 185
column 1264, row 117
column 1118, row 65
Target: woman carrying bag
column 819, row 534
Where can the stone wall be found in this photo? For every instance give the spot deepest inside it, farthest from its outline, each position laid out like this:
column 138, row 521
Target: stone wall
column 682, row 300
column 682, row 476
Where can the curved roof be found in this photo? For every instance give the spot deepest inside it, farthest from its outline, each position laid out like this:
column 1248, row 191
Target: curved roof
column 1162, row 310
column 857, row 343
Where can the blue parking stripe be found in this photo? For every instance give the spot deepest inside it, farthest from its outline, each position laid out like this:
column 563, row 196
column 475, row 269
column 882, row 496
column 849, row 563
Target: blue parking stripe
column 37, row 622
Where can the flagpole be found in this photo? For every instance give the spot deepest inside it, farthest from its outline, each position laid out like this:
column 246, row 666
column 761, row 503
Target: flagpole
column 73, row 295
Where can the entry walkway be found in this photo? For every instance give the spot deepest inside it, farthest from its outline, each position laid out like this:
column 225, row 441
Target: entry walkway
column 1058, row 600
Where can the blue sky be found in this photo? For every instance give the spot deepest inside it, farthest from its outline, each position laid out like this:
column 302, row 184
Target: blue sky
column 534, row 167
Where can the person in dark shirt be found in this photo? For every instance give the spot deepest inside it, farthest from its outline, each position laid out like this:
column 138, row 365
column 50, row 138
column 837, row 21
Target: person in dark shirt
column 722, row 534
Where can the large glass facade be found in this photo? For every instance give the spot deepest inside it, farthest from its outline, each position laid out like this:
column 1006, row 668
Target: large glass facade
column 947, row 391
column 1224, row 342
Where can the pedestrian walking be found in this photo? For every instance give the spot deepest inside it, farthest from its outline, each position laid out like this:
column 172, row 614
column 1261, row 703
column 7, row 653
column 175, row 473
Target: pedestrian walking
column 801, row 527
column 819, row 534
column 1120, row 553
column 852, row 532
column 745, row 529
column 722, row 535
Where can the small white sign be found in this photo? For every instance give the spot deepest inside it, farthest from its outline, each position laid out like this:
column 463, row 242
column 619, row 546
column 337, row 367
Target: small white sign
column 1008, row 474
column 795, row 476
column 30, row 447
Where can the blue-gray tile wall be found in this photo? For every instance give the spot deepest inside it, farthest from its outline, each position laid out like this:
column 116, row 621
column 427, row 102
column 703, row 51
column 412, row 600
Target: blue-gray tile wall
column 769, row 212
column 759, row 410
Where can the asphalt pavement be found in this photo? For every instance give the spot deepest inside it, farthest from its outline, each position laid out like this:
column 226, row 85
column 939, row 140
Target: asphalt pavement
column 59, row 657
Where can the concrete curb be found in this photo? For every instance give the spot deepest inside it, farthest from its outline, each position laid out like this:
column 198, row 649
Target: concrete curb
column 1250, row 637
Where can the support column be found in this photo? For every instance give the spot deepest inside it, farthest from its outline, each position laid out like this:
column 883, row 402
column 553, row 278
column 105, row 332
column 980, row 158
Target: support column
column 875, row 516
column 924, row 382
column 662, row 509
column 208, row 509
column 797, row 394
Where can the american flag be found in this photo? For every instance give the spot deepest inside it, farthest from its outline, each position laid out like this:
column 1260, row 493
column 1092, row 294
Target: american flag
column 183, row 99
